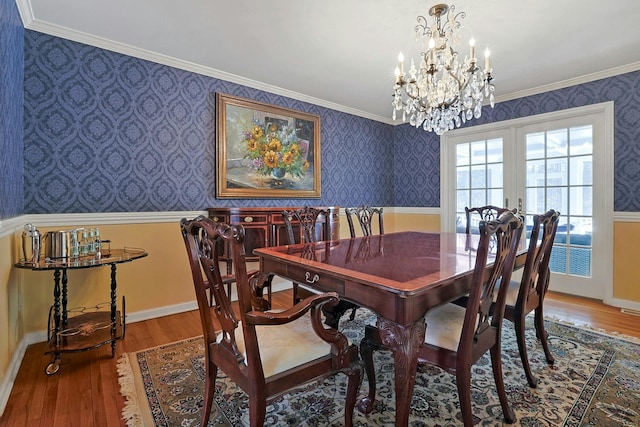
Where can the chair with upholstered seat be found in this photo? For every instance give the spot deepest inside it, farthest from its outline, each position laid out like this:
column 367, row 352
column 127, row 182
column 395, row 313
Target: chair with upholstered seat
column 367, row 217
column 481, row 213
column 528, row 294
column 456, row 337
column 265, row 353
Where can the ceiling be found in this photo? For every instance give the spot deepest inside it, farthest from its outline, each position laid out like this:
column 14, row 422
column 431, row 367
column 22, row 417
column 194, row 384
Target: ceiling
column 342, row 53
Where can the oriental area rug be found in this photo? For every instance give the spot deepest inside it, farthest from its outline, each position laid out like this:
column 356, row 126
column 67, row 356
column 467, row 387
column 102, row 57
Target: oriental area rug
column 595, row 381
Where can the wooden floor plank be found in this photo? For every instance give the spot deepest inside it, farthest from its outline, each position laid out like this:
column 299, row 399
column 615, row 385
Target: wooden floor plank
column 86, row 392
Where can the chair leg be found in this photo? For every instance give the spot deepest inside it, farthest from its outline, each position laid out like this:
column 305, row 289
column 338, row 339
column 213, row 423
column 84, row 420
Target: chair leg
column 522, row 349
column 369, row 343
column 354, row 372
column 463, row 383
column 542, row 334
column 257, row 411
column 209, row 391
column 295, row 294
column 496, row 365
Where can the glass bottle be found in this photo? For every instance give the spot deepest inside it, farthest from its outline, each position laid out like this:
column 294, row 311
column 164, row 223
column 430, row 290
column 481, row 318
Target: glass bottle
column 75, row 244
column 97, row 243
column 84, row 243
column 91, row 243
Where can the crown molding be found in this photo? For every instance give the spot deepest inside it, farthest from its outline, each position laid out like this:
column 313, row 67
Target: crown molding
column 634, row 66
column 31, row 23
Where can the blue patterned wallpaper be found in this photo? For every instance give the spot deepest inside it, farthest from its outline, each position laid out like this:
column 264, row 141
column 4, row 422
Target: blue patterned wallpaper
column 11, row 89
column 421, row 188
column 105, row 132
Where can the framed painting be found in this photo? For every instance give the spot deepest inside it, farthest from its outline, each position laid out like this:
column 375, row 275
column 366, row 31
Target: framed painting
column 265, row 151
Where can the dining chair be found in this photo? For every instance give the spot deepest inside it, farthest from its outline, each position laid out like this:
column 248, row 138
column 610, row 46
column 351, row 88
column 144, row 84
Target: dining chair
column 304, row 222
column 366, row 217
column 266, row 353
column 456, row 337
column 528, row 294
column 483, row 213
column 311, row 229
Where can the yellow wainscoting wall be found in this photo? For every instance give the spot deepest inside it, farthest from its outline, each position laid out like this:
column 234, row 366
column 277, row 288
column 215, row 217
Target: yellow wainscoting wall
column 626, row 261
column 11, row 327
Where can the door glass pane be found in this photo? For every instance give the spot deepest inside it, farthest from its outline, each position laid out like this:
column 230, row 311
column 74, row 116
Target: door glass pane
column 581, row 141
column 535, row 200
column 462, row 177
column 494, row 175
column 581, row 170
column 580, row 261
column 535, row 145
column 462, row 200
column 478, row 176
column 535, row 173
column 580, row 231
column 462, row 154
column 494, row 151
column 557, row 143
column 557, row 199
column 478, row 153
column 580, row 201
column 478, row 198
column 557, row 171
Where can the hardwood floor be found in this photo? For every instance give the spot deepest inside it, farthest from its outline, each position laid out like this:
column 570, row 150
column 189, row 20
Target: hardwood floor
column 85, row 392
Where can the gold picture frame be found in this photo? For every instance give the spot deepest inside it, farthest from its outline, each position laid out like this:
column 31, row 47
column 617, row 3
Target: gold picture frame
column 266, row 151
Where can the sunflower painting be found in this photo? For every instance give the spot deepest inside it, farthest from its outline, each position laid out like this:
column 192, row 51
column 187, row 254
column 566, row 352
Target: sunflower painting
column 265, row 151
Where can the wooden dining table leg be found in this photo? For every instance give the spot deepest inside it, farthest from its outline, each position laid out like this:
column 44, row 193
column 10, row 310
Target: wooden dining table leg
column 404, row 341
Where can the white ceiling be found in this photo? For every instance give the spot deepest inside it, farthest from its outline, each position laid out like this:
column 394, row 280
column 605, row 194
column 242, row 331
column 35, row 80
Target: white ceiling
column 342, row 53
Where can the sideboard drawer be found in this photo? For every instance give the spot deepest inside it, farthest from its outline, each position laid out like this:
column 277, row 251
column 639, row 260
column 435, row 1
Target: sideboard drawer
column 220, row 218
column 249, row 218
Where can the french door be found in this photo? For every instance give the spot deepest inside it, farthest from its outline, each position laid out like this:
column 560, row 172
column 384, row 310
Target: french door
column 560, row 161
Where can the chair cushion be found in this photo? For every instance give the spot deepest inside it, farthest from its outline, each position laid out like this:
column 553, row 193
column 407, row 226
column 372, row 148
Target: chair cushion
column 283, row 347
column 512, row 293
column 444, row 326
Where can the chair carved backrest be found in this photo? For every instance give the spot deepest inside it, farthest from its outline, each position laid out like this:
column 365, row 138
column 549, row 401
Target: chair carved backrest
column 307, row 219
column 484, row 213
column 366, row 216
column 482, row 316
column 535, row 277
column 202, row 239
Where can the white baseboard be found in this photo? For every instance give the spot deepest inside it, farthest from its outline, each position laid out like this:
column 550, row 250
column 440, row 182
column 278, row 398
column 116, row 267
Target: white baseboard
column 14, row 366
column 623, row 304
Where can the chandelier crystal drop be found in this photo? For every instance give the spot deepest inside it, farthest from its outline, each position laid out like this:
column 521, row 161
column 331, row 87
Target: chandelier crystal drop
column 442, row 93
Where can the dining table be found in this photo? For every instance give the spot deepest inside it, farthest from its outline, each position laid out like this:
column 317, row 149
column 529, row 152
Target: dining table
column 398, row 276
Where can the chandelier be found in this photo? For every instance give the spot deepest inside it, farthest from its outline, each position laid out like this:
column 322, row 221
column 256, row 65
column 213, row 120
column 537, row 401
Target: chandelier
column 443, row 93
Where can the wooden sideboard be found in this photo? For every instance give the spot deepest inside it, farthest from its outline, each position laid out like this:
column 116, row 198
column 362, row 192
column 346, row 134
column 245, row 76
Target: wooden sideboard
column 264, row 227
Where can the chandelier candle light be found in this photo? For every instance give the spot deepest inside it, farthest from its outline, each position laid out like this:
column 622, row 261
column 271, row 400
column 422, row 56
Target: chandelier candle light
column 444, row 93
